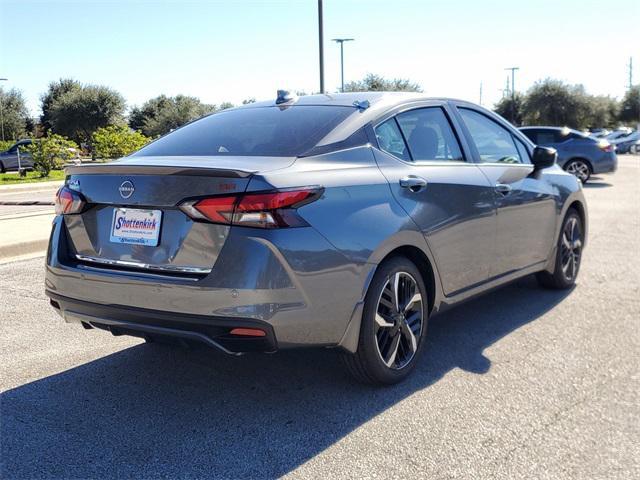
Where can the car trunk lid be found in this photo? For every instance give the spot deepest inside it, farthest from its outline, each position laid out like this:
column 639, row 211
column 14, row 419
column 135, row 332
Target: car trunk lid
column 129, row 190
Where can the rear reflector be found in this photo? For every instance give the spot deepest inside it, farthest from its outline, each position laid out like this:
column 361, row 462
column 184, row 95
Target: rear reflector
column 261, row 210
column 248, row 332
column 68, row 201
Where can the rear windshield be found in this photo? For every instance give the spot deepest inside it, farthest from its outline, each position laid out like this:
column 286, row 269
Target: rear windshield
column 260, row 131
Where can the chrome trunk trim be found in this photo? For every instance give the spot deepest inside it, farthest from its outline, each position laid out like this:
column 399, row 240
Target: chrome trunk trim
column 144, row 266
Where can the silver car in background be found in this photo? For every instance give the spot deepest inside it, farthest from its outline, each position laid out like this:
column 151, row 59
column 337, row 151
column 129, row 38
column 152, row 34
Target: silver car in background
column 343, row 221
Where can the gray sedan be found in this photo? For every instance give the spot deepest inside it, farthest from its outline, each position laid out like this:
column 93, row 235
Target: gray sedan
column 341, row 221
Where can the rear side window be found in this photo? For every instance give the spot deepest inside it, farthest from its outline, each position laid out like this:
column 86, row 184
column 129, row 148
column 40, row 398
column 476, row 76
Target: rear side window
column 260, row 131
column 546, row 137
column 494, row 143
column 390, row 139
column 429, row 135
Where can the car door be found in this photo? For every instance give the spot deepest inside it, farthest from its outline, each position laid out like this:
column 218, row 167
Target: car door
column 525, row 202
column 448, row 197
column 10, row 158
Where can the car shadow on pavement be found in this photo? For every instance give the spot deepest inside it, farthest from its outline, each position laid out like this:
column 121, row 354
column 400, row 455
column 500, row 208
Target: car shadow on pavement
column 156, row 411
column 596, row 182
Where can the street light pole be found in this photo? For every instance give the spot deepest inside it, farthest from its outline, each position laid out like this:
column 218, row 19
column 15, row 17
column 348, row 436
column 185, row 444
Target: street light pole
column 321, row 46
column 513, row 92
column 341, row 42
column 1, row 114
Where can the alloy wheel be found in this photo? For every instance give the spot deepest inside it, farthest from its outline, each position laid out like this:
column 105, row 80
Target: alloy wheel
column 571, row 248
column 579, row 169
column 399, row 320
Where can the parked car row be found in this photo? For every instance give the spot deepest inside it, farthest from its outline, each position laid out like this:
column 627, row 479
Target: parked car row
column 628, row 143
column 624, row 139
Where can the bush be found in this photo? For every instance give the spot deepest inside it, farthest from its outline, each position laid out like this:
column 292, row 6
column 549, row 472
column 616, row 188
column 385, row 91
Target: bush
column 51, row 152
column 117, row 141
column 5, row 145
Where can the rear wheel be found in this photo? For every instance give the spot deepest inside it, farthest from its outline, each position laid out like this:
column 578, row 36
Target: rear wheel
column 580, row 169
column 568, row 254
column 2, row 169
column 394, row 324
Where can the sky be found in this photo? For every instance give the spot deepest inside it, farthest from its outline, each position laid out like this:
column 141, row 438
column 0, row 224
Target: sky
column 232, row 50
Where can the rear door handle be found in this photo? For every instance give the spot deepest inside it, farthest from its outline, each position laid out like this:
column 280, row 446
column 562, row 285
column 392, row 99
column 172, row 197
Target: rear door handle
column 503, row 188
column 413, row 183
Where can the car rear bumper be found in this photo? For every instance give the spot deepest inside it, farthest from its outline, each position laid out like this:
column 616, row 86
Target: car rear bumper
column 212, row 331
column 606, row 164
column 284, row 278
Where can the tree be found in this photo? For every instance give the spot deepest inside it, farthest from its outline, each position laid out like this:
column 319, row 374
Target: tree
column 376, row 83
column 602, row 111
column 117, row 141
column 630, row 106
column 14, row 114
column 51, row 151
column 551, row 102
column 80, row 112
column 55, row 91
column 162, row 114
column 511, row 109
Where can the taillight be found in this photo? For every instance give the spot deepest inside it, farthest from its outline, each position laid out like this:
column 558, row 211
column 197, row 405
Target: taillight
column 605, row 146
column 69, row 201
column 261, row 210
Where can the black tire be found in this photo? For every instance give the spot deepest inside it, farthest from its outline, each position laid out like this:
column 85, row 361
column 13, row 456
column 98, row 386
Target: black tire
column 367, row 364
column 579, row 168
column 568, row 254
column 2, row 169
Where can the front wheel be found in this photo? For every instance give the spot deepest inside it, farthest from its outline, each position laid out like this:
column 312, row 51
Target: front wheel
column 394, row 324
column 580, row 169
column 568, row 254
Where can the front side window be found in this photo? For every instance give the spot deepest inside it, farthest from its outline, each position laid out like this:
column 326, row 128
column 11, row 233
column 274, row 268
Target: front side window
column 429, row 135
column 258, row 131
column 390, row 139
column 494, row 143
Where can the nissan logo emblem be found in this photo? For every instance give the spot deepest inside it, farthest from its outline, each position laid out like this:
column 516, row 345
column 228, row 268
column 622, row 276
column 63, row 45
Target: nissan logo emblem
column 126, row 189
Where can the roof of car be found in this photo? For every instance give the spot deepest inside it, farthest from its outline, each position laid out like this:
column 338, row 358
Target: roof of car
column 343, row 99
column 546, row 128
column 379, row 102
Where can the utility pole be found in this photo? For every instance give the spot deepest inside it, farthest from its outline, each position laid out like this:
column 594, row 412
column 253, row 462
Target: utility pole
column 321, row 45
column 480, row 102
column 341, row 42
column 630, row 72
column 1, row 114
column 513, row 92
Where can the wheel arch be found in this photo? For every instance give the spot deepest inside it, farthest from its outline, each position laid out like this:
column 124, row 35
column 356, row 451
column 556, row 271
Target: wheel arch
column 579, row 207
column 428, row 270
column 575, row 202
column 422, row 262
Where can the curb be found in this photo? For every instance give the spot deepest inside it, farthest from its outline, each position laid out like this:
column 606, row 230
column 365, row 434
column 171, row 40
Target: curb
column 8, row 252
column 31, row 187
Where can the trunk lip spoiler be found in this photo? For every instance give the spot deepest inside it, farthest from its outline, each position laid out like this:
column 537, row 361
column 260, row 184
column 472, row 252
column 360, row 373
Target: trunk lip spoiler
column 133, row 169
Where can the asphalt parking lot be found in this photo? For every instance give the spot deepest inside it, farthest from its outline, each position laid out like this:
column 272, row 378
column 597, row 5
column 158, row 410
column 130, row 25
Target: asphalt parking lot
column 521, row 383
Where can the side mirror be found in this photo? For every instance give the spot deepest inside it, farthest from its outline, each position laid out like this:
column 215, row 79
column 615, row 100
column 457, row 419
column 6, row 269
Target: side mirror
column 544, row 157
